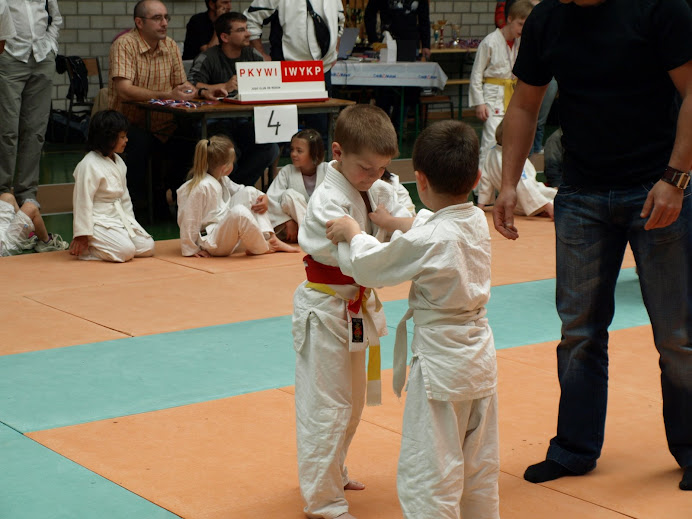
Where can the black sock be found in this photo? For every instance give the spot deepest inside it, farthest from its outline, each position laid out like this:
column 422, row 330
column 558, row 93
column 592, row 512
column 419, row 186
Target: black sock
column 686, row 483
column 546, row 471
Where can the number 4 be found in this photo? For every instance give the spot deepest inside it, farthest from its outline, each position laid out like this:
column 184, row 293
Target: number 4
column 275, row 125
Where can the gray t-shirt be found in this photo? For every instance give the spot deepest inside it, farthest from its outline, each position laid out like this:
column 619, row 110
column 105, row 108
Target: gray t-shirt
column 212, row 66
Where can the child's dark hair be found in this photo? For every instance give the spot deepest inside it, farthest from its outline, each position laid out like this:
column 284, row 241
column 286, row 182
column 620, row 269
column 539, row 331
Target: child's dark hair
column 447, row 153
column 104, row 129
column 314, row 140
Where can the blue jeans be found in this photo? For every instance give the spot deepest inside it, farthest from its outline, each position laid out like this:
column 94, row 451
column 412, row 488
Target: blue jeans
column 592, row 230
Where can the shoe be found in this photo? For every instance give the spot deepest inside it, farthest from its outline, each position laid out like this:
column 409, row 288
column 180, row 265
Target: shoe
column 54, row 243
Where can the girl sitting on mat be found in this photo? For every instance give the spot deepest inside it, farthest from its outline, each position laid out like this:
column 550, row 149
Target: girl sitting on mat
column 293, row 186
column 104, row 224
column 215, row 214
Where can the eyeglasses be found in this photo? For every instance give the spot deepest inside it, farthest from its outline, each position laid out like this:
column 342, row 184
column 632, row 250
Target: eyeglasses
column 158, row 18
column 238, row 30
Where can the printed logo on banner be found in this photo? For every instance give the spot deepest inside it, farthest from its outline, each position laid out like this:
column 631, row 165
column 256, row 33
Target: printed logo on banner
column 295, row 71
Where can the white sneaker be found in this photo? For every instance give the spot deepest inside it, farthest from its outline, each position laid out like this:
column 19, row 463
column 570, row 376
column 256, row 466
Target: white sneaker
column 54, row 243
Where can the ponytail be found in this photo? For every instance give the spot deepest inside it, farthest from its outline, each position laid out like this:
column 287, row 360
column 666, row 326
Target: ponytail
column 209, row 155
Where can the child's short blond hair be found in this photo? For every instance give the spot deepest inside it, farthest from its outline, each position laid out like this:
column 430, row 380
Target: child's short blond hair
column 520, row 10
column 364, row 127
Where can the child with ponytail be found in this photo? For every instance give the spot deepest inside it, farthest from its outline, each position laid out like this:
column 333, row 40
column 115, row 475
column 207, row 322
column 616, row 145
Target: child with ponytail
column 215, row 214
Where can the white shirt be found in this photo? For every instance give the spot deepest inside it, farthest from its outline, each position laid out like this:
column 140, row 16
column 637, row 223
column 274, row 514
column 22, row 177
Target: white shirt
column 7, row 29
column 34, row 35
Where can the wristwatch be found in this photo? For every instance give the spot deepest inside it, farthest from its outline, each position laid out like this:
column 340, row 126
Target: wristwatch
column 675, row 177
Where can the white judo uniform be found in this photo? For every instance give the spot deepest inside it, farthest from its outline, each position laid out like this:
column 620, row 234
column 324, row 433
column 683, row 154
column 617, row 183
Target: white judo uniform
column 402, row 194
column 494, row 59
column 103, row 211
column 15, row 228
column 449, row 460
column 330, row 363
column 288, row 196
column 532, row 195
column 216, row 217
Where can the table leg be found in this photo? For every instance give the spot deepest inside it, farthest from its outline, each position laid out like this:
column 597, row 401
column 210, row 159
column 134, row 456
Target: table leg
column 150, row 180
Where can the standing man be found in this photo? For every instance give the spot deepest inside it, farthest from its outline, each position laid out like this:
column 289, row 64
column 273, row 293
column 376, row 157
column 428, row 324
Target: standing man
column 27, row 66
column 200, row 34
column 144, row 64
column 213, row 71
column 624, row 182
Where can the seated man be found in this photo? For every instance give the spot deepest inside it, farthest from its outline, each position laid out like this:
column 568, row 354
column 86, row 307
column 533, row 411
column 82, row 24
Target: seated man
column 146, row 64
column 200, row 34
column 214, row 71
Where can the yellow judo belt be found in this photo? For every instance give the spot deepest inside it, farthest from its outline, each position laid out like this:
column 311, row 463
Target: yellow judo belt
column 374, row 387
column 509, row 85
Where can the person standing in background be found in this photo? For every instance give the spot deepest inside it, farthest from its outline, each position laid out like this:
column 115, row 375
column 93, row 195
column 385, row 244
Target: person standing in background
column 26, row 77
column 200, row 34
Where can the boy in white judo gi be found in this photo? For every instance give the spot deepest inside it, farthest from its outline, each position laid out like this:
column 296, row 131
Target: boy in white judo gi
column 492, row 82
column 104, row 224
column 334, row 318
column 534, row 198
column 449, row 461
column 17, row 224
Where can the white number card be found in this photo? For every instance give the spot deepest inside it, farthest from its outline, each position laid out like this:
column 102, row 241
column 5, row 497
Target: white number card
column 276, row 123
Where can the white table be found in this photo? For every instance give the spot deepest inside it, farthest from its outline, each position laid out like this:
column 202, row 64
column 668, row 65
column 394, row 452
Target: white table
column 396, row 75
column 401, row 74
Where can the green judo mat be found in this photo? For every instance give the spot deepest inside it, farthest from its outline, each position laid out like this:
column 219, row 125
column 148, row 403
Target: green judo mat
column 85, row 383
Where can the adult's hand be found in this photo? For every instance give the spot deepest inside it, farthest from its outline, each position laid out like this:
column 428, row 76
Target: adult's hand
column 503, row 213
column 184, row 92
column 662, row 205
column 232, row 84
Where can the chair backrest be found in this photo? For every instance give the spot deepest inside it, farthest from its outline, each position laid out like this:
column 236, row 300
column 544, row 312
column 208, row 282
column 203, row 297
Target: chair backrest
column 93, row 69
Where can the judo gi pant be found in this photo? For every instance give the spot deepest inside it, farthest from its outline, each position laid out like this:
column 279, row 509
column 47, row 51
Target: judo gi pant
column 329, row 396
column 593, row 228
column 25, row 91
column 488, row 135
column 238, row 224
column 449, row 462
column 294, row 205
column 115, row 244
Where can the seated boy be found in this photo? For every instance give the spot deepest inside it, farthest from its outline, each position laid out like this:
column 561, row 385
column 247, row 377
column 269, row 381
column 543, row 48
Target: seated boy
column 335, row 319
column 449, row 461
column 534, row 198
column 16, row 224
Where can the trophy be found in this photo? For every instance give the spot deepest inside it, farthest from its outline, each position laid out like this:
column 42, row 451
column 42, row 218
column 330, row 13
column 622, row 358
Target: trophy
column 455, row 43
column 441, row 40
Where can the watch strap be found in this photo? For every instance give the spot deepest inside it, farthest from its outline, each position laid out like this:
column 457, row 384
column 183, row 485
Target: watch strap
column 675, row 177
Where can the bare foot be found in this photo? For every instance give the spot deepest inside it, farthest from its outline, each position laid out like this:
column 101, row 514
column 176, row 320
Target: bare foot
column 354, row 485
column 276, row 245
column 270, row 251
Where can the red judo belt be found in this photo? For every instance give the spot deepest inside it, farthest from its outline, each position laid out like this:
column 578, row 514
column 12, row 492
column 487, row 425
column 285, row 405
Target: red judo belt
column 317, row 272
